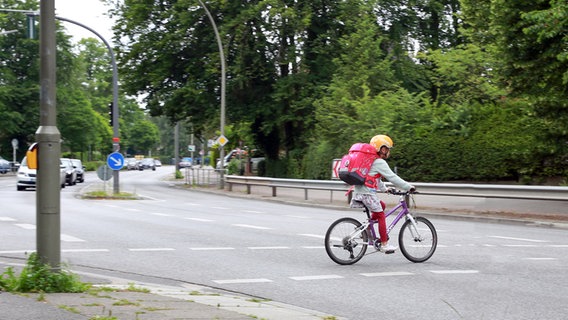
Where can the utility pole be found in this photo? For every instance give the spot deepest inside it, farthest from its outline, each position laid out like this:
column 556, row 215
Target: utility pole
column 48, row 189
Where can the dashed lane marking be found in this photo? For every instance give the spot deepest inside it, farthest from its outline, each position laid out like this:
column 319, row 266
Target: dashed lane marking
column 319, row 236
column 517, row 239
column 211, row 248
column 84, row 250
column 200, row 220
column 151, row 249
column 454, row 271
column 268, row 248
column 68, row 238
column 7, row 219
column 540, row 259
column 26, row 226
column 387, row 274
column 160, row 214
column 251, row 226
column 317, row 277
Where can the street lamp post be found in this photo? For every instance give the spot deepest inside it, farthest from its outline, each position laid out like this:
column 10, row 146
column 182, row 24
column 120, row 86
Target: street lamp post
column 223, row 82
column 115, row 139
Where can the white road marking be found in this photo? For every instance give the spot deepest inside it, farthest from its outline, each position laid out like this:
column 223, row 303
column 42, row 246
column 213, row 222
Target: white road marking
column 559, row 245
column 131, row 209
column 211, row 248
column 7, row 219
column 220, row 208
column 320, row 277
column 161, row 214
column 151, row 249
column 517, row 239
column 454, row 271
column 85, row 250
column 252, row 211
column 540, row 259
column 313, row 247
column 319, row 236
column 387, row 274
column 231, row 281
column 68, row 238
column 299, row 217
column 251, row 226
column 268, row 248
column 18, row 251
column 26, row 226
column 200, row 220
column 520, row 245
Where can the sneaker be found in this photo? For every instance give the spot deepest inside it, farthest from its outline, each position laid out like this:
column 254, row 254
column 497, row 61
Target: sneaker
column 388, row 249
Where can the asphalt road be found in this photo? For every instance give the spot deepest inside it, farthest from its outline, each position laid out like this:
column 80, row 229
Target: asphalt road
column 275, row 251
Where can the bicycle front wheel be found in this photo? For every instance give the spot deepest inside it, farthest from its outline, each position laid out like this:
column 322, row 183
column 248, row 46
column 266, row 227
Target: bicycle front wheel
column 345, row 242
column 418, row 242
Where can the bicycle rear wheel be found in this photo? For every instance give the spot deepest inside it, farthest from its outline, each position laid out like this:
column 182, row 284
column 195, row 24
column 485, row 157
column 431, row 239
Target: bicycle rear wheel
column 340, row 244
column 418, row 243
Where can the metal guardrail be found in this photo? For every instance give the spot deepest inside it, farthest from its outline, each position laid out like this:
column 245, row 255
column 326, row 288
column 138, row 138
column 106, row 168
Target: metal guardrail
column 437, row 189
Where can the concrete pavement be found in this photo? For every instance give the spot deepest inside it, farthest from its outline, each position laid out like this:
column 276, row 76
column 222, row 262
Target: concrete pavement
column 115, row 298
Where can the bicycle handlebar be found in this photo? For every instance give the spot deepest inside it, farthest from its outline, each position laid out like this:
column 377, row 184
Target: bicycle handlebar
column 402, row 193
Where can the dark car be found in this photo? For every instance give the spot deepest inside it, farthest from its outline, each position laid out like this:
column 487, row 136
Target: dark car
column 147, row 163
column 4, row 165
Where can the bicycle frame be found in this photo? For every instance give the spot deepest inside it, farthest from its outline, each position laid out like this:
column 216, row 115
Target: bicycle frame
column 401, row 207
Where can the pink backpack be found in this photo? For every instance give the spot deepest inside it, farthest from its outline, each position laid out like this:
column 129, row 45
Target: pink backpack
column 355, row 165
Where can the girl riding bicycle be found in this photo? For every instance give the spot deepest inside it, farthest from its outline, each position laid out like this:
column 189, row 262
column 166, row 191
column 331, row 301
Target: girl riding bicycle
column 367, row 194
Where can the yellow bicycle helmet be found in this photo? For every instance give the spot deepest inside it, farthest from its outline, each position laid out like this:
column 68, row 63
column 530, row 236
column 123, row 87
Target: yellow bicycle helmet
column 380, row 141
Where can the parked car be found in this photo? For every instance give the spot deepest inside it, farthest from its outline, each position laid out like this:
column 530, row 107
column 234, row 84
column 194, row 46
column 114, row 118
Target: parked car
column 79, row 168
column 147, row 163
column 185, row 162
column 255, row 158
column 70, row 172
column 157, row 162
column 27, row 177
column 131, row 164
column 4, row 165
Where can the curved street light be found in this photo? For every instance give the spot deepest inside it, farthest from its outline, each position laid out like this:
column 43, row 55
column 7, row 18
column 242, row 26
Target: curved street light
column 223, row 82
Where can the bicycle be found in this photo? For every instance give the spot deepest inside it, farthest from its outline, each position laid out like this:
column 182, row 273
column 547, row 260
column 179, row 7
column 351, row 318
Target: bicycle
column 347, row 239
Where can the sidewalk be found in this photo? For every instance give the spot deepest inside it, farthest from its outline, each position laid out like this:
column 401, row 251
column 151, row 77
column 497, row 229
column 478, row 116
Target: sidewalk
column 115, row 298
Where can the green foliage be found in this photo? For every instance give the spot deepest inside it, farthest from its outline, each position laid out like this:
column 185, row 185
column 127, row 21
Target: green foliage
column 236, row 166
column 38, row 277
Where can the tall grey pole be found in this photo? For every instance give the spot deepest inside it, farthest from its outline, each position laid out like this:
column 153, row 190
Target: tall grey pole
column 176, row 146
column 223, row 81
column 48, row 194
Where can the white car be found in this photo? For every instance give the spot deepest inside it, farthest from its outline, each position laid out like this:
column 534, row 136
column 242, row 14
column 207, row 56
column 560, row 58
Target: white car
column 27, row 177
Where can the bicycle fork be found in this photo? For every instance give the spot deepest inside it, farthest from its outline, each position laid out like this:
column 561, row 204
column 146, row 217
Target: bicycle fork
column 414, row 229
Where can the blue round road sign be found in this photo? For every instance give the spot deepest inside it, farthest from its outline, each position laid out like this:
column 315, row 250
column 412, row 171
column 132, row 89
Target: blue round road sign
column 115, row 161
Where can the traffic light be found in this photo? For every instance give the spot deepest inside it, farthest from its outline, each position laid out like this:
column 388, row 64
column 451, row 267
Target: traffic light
column 110, row 113
column 30, row 27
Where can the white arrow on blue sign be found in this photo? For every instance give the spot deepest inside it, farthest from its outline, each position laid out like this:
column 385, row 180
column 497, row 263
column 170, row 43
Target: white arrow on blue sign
column 115, row 161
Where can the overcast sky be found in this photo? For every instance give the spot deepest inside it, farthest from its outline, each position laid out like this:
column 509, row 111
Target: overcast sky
column 91, row 13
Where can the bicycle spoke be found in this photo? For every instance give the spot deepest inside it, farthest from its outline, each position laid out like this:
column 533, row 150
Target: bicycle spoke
column 345, row 241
